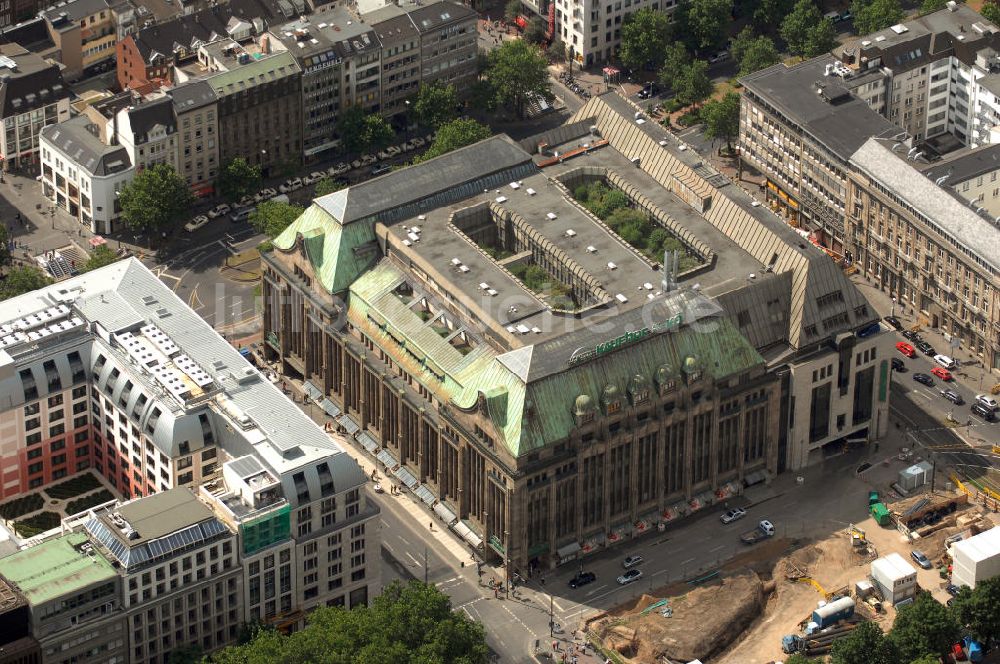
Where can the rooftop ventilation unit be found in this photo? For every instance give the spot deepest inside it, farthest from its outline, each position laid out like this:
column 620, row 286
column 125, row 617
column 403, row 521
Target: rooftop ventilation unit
column 899, row 28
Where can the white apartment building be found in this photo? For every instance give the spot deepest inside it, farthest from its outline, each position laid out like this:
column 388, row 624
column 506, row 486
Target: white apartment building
column 148, row 132
column 82, row 175
column 591, row 29
column 180, row 573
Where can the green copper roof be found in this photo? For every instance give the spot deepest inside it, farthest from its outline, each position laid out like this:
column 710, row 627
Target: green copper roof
column 541, row 412
column 55, row 568
column 331, row 248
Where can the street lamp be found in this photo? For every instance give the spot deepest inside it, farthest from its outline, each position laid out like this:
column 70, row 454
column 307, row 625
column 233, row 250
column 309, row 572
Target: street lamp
column 892, row 309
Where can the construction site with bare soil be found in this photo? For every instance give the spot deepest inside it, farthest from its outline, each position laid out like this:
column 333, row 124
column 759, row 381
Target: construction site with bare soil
column 769, row 600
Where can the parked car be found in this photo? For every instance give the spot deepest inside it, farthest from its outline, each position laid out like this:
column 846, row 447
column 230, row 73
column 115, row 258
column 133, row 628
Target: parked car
column 719, row 57
column 953, row 396
column 941, row 373
column 911, row 335
column 952, row 589
column 631, row 561
column 582, row 579
column 314, row 177
column 246, row 201
column 920, row 559
column 219, row 210
column 898, row 365
column 381, row 169
column 946, row 362
column 925, row 348
column 629, row 576
column 241, row 215
column 734, row 514
column 339, row 169
column 983, row 412
column 196, row 223
column 923, row 379
column 905, row 348
column 895, row 322
column 265, row 195
column 290, row 185
column 987, row 401
column 846, row 16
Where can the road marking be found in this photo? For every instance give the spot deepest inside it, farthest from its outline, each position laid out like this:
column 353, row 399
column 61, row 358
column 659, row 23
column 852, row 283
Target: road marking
column 405, row 541
column 389, row 547
column 689, row 560
column 718, row 548
column 556, row 604
column 415, row 561
column 662, row 571
column 595, row 590
column 193, row 299
column 533, row 633
column 919, row 393
column 227, row 247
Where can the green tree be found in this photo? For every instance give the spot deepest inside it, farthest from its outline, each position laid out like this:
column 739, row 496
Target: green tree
column 435, row 105
column 155, row 198
column 4, row 247
column 926, row 659
column 534, row 32
column 874, row 15
column 238, row 179
column 363, row 132
column 979, row 610
column 806, row 31
column 756, row 53
column 272, row 217
column 190, row 654
column 704, row 21
column 455, row 134
column 100, row 257
column 722, row 118
column 769, row 13
column 931, row 6
column 512, row 10
column 694, row 85
column 991, row 12
column 645, row 38
column 412, row 624
column 797, row 658
column 378, row 132
column 20, row 280
column 924, row 627
column 328, row 185
column 675, row 60
column 865, row 645
column 556, row 52
column 517, row 71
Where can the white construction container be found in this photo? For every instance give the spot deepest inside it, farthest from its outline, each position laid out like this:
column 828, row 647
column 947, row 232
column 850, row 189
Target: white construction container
column 976, row 559
column 895, row 578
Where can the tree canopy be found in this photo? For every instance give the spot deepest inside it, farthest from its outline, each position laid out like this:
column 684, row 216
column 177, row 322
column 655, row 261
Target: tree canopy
column 693, row 85
column 806, row 31
column 512, row 10
column 991, row 12
column 556, row 52
column 754, row 53
column 865, row 645
column 20, row 280
column 455, row 134
column 645, row 38
column 363, row 132
column 703, row 22
column 925, row 627
column 99, row 257
column 930, row 6
column 155, row 198
column 675, row 60
column 435, row 105
column 979, row 610
column 534, row 32
column 722, row 118
column 272, row 217
column 767, row 14
column 516, row 72
column 328, row 185
column 412, row 624
column 4, row 246
column 874, row 15
column 238, row 179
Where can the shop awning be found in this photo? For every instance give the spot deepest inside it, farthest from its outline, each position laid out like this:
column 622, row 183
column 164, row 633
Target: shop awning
column 592, row 543
column 368, row 442
column 385, row 456
column 313, row 391
column 349, row 424
column 445, row 514
column 406, row 477
column 463, row 530
column 330, row 408
column 425, row 494
column 755, row 477
column 569, row 550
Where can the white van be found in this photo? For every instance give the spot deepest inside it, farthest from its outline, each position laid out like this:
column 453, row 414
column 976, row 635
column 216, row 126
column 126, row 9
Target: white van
column 945, row 361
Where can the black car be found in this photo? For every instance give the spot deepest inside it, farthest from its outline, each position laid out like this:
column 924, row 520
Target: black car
column 983, row 412
column 926, row 348
column 953, row 396
column 895, row 322
column 952, row 589
column 923, row 378
column 898, row 365
column 582, row 579
column 910, row 335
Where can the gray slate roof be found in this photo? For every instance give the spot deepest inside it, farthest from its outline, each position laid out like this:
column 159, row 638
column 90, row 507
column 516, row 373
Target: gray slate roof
column 946, row 213
column 144, row 117
column 33, row 83
column 842, row 127
column 410, row 185
column 78, row 140
column 75, row 11
column 965, row 164
column 192, row 95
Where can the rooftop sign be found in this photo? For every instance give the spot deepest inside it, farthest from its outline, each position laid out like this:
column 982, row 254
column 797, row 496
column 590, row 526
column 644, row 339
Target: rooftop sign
column 581, row 355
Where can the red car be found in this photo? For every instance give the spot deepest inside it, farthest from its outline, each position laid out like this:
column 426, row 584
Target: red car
column 941, row 373
column 906, row 349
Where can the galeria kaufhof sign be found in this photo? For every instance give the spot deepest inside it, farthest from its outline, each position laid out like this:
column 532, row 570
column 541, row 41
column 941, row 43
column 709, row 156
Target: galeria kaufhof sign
column 627, row 339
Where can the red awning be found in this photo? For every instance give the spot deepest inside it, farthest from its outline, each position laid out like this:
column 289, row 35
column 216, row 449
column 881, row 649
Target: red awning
column 521, row 22
column 97, row 241
column 611, row 71
column 203, row 189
